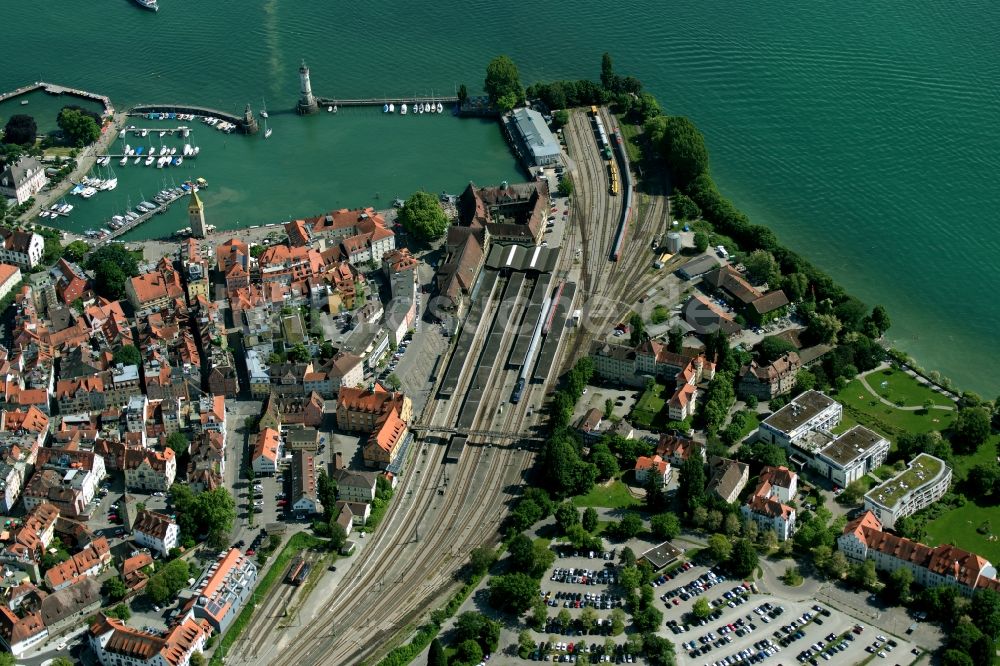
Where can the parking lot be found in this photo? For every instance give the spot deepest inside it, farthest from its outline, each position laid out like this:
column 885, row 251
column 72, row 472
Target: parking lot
column 750, row 628
column 578, row 581
column 622, row 398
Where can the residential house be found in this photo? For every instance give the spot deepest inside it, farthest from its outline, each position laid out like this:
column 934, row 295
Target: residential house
column 132, row 573
column 360, row 409
column 211, row 414
column 266, row 452
column 355, row 486
column 589, row 425
column 360, row 235
column 729, row 478
column 20, row 631
column 771, row 380
column 769, row 513
column 117, row 644
column 91, row 561
column 360, row 511
column 76, row 396
column 465, row 252
column 65, row 609
column 37, row 530
column 704, row 316
column 206, row 461
column 647, row 468
column 305, row 499
column 10, row 277
column 682, row 403
column 233, row 252
column 863, row 539
column 150, row 470
column 22, row 179
column 156, row 290
column 386, row 440
column 224, row 589
column 677, row 449
column 343, row 369
column 779, row 482
column 156, row 531
column 284, row 265
column 399, row 261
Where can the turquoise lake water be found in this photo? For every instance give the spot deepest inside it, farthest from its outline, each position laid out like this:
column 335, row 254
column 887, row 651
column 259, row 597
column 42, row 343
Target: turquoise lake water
column 864, row 133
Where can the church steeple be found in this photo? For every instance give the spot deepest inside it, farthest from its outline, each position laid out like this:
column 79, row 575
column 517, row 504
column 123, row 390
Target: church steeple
column 196, row 216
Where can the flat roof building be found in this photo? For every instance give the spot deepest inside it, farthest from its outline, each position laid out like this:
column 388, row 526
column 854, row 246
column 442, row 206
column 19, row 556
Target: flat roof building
column 809, row 411
column 851, row 455
column 921, row 484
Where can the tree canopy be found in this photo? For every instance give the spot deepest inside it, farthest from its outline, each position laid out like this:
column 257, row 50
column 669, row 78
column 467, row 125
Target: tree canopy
column 21, row 129
column 210, row 513
column 503, row 83
column 513, row 592
column 76, row 250
column 682, row 145
column 78, row 126
column 112, row 266
column 423, row 216
column 127, row 355
column 971, row 428
column 178, row 442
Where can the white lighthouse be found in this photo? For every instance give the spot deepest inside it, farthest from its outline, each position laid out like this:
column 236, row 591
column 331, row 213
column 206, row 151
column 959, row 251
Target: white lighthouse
column 307, row 103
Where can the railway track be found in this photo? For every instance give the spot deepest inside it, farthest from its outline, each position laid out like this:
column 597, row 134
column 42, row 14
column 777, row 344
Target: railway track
column 392, row 588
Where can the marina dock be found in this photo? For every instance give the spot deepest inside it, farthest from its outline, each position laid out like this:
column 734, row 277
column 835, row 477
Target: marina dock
column 199, row 111
column 160, row 208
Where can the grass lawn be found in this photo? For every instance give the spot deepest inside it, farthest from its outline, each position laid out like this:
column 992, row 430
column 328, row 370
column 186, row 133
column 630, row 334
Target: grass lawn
column 613, row 495
column 885, row 472
column 986, row 452
column 902, row 388
column 629, row 134
column 752, row 422
column 958, row 527
column 649, row 406
column 869, row 411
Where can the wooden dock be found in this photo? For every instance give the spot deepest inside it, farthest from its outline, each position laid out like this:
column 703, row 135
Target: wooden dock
column 115, row 233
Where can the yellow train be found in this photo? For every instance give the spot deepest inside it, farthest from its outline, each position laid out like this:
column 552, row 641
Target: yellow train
column 613, row 177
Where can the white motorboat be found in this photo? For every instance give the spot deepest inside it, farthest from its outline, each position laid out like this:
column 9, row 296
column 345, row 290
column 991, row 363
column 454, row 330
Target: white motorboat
column 128, row 149
column 149, row 160
column 440, row 107
column 329, row 109
column 267, row 133
column 162, row 133
column 187, row 149
column 392, row 108
column 137, row 159
column 178, row 161
column 197, row 149
column 88, row 192
column 123, row 161
column 185, row 132
column 173, row 150
column 402, row 110
column 335, row 108
column 110, row 184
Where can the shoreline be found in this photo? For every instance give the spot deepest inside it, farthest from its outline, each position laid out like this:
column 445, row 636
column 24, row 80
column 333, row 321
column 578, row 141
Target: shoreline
column 87, row 156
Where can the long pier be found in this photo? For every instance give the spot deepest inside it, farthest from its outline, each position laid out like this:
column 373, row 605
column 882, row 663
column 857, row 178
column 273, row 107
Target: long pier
column 382, row 101
column 56, row 89
column 115, row 233
column 143, row 109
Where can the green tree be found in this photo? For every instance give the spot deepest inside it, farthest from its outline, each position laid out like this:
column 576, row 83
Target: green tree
column 76, row 250
column 481, row 559
column 471, row 625
column 589, row 519
column 566, row 515
column 852, row 493
column 743, row 560
column 878, row 321
column 701, row 608
column 823, row 328
column 513, row 592
column 114, row 588
column 178, row 442
column 719, row 547
column 956, row 658
column 659, row 315
column 566, row 187
column 468, row 653
column 127, row 355
column 658, row 650
column 21, row 129
column 197, row 659
column 61, row 661
column 617, row 621
column 691, row 487
column 608, row 73
column 684, row 208
column 675, row 340
column 771, row 348
column 112, row 265
column 985, row 612
column 121, row 611
column 210, row 513
column 700, row 241
column 762, row 267
column 393, row 381
column 167, row 581
column 338, row 537
column 525, row 644
column 463, row 93
column 805, row 380
column 665, row 526
column 503, row 83
column 78, row 127
column 560, row 118
column 682, row 146
column 423, row 216
column 897, row 588
column 970, row 429
column 588, row 618
column 629, row 526
column 637, row 328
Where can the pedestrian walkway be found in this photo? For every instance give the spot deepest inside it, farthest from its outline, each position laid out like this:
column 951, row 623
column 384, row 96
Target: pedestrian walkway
column 864, row 382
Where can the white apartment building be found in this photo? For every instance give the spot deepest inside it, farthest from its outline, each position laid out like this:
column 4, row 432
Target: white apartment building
column 924, row 481
column 808, row 412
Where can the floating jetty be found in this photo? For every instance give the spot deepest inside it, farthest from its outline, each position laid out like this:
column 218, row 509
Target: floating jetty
column 382, row 101
column 199, row 112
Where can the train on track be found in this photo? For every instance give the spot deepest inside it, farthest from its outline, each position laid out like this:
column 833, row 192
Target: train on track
column 626, row 185
column 515, row 397
column 298, row 571
column 612, row 178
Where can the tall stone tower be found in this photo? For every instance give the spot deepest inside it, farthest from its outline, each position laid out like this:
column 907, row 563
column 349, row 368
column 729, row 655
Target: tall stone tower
column 249, row 122
column 307, row 103
column 196, row 216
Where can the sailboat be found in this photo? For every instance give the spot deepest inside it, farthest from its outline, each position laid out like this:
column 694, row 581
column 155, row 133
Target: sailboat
column 267, row 130
column 402, row 110
column 263, row 109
